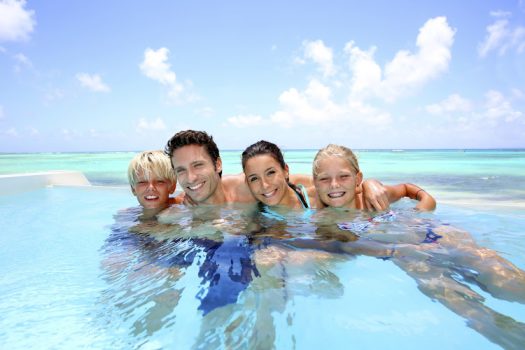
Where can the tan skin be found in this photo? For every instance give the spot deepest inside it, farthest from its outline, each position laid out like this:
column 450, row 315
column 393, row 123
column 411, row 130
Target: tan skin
column 194, row 167
column 339, row 185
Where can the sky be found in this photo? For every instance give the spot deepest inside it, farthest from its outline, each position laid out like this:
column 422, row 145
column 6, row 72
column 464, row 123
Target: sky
column 94, row 75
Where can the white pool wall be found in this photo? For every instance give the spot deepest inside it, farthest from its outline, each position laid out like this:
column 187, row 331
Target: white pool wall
column 15, row 183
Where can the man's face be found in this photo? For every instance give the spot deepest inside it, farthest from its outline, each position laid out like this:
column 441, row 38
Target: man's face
column 196, row 173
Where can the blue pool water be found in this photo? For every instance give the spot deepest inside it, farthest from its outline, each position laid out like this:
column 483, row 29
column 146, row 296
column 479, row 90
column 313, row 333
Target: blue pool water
column 74, row 277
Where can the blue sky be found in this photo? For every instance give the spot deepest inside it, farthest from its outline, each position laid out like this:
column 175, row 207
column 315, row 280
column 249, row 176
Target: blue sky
column 114, row 75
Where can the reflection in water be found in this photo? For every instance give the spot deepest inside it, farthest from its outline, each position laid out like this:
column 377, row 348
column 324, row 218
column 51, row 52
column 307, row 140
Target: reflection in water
column 214, row 277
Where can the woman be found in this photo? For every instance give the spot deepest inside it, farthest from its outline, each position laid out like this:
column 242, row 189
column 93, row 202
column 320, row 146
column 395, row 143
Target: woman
column 267, row 176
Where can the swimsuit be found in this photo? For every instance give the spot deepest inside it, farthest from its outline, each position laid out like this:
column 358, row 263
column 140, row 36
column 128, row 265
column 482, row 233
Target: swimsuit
column 302, row 195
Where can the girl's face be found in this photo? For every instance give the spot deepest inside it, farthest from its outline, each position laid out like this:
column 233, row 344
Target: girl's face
column 337, row 183
column 267, row 179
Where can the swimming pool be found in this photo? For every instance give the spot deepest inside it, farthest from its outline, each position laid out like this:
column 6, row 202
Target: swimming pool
column 73, row 276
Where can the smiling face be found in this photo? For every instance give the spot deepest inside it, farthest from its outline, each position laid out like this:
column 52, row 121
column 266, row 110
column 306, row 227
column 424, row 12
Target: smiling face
column 267, row 180
column 152, row 192
column 196, row 173
column 336, row 182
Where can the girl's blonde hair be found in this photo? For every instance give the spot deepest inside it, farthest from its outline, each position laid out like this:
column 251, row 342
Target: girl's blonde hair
column 335, row 151
column 150, row 162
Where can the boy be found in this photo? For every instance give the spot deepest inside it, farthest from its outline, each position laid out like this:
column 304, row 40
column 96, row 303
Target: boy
column 152, row 180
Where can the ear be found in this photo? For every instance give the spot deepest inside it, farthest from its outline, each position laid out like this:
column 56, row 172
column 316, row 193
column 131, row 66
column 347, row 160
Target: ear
column 218, row 165
column 173, row 186
column 286, row 172
column 133, row 190
column 359, row 182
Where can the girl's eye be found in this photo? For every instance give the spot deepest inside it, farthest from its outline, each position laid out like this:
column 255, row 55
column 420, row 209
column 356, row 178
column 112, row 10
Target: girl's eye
column 323, row 179
column 345, row 176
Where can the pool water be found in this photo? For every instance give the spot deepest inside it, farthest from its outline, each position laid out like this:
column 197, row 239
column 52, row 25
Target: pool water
column 74, row 276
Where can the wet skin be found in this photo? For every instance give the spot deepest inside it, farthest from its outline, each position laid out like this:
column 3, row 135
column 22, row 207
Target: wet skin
column 337, row 183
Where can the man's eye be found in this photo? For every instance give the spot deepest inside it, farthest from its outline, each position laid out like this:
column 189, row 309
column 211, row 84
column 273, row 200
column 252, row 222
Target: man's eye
column 179, row 171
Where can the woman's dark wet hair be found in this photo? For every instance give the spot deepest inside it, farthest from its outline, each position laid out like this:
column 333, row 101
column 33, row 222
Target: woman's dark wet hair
column 261, row 148
column 192, row 137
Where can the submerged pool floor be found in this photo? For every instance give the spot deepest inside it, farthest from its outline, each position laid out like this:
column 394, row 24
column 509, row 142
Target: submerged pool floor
column 74, row 276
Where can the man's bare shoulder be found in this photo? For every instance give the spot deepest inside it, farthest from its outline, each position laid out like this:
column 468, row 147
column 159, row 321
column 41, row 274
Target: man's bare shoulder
column 236, row 189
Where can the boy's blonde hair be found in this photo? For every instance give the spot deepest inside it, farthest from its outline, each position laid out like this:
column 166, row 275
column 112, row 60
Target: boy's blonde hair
column 148, row 163
column 335, row 151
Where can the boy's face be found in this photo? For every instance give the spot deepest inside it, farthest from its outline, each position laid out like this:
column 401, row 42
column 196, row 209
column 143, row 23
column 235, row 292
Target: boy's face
column 153, row 193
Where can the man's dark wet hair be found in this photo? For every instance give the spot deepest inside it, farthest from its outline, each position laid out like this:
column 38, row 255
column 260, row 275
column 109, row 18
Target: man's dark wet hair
column 192, row 137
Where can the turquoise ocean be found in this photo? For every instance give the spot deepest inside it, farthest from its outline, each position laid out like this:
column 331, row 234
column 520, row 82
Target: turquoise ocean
column 488, row 179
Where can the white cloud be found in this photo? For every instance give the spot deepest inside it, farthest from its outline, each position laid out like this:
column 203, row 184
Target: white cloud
column 16, row 22
column 498, row 108
column 335, row 100
column 407, row 71
column 453, row 103
column 155, row 66
column 320, row 54
column 154, row 125
column 207, row 112
column 93, row 82
column 12, row 132
column 501, row 37
column 243, row 121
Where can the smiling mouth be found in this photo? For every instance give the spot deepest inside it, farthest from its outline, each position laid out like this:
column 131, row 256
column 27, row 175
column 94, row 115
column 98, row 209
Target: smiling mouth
column 151, row 198
column 336, row 194
column 195, row 187
column 269, row 194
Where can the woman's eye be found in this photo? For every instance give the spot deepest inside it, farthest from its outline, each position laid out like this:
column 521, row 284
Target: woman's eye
column 252, row 179
column 270, row 172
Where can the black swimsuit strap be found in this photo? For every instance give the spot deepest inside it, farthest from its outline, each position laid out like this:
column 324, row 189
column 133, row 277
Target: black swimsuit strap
column 300, row 194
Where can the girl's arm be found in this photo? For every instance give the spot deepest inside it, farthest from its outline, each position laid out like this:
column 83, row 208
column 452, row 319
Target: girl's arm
column 396, row 192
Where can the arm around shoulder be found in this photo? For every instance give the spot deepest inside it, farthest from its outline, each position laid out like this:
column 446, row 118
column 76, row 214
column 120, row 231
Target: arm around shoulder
column 425, row 201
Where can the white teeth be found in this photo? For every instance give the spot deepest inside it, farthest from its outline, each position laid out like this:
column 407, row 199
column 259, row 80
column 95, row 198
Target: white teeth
column 196, row 187
column 336, row 194
column 268, row 195
column 151, row 197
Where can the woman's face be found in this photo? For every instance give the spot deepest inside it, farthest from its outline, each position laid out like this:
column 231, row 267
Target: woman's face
column 267, row 179
column 336, row 182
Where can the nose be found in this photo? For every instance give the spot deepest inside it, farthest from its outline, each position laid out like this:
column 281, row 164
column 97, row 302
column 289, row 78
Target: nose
column 264, row 184
column 192, row 176
column 334, row 183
